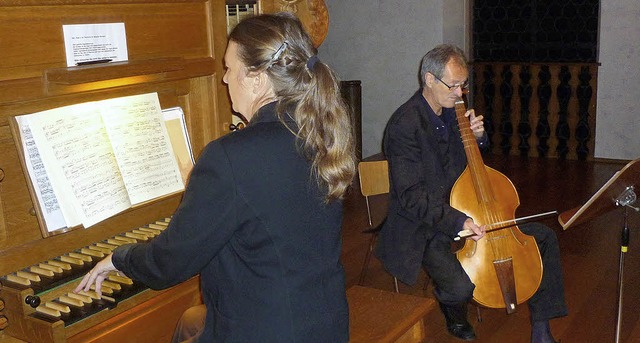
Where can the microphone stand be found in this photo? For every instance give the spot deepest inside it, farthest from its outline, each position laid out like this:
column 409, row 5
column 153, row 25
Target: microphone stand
column 626, row 199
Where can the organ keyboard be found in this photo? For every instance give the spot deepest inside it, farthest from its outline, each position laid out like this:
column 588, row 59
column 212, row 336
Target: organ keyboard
column 49, row 283
column 42, row 294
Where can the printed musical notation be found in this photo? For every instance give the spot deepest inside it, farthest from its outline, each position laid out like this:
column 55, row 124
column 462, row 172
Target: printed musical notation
column 42, row 187
column 93, row 160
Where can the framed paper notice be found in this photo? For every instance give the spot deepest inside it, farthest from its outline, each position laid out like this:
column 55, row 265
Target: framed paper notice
column 95, row 43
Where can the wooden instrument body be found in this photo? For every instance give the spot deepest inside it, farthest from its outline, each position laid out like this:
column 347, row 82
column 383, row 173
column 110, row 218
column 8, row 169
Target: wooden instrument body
column 505, row 265
column 175, row 48
column 313, row 14
column 476, row 257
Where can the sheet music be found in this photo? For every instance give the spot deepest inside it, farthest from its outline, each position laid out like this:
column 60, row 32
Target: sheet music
column 51, row 211
column 76, row 146
column 142, row 147
column 93, row 160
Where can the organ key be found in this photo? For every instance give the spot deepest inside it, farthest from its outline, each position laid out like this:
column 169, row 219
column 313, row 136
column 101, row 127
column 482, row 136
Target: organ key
column 53, row 280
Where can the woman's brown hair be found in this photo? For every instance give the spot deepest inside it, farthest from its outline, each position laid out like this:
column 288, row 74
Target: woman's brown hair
column 278, row 45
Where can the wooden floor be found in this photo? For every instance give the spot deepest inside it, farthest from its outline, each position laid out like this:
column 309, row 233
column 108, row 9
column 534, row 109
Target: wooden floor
column 590, row 255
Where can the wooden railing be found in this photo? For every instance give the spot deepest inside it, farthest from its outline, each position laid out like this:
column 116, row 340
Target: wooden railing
column 537, row 109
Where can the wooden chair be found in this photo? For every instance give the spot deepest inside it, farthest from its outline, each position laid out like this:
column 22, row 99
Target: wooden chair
column 374, row 180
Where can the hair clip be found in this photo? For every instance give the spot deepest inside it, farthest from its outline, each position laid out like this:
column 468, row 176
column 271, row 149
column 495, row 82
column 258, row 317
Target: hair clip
column 276, row 55
column 311, row 62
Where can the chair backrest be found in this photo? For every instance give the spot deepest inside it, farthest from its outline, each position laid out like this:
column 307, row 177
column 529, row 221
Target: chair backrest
column 374, row 177
column 374, row 180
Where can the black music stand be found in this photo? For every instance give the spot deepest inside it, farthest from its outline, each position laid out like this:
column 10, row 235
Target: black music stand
column 619, row 191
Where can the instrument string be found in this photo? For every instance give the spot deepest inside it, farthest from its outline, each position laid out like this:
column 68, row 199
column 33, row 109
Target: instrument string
column 482, row 187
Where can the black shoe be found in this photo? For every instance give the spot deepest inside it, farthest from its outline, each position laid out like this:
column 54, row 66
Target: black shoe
column 457, row 323
column 541, row 332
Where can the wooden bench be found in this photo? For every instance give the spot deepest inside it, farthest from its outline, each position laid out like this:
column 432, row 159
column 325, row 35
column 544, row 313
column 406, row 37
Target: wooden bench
column 381, row 316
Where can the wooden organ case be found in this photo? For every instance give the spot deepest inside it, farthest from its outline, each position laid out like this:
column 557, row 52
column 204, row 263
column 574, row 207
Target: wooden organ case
column 175, row 48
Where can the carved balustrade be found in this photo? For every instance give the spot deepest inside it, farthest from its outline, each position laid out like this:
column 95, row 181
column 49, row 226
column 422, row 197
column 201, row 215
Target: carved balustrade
column 538, row 109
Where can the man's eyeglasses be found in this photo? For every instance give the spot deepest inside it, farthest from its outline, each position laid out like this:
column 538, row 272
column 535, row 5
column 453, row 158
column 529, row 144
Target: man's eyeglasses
column 463, row 86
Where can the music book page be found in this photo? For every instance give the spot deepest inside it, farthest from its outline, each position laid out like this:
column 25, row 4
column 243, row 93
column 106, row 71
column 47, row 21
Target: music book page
column 103, row 157
column 143, row 151
column 47, row 200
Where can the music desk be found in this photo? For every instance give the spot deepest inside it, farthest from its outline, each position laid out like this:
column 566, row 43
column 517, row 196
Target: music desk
column 381, row 316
